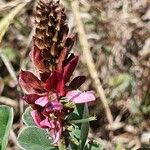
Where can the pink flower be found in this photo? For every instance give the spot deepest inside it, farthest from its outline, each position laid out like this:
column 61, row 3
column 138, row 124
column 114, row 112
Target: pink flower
column 54, row 84
column 42, row 101
column 80, row 97
column 50, row 120
column 45, row 93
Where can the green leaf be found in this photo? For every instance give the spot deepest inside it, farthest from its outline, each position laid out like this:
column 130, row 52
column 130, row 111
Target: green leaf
column 6, row 119
column 34, row 138
column 27, row 118
column 84, row 127
column 75, row 134
column 80, row 131
column 93, row 145
column 77, row 113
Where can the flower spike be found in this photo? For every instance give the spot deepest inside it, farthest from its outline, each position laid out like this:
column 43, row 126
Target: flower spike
column 51, row 95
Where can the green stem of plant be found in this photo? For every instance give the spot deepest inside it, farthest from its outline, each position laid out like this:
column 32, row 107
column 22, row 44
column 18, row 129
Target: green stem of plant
column 62, row 144
column 84, row 120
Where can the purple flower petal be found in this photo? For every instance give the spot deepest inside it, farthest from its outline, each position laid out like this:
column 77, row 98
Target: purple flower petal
column 52, row 124
column 45, row 123
column 80, row 97
column 58, row 133
column 42, row 101
column 56, row 105
column 53, row 106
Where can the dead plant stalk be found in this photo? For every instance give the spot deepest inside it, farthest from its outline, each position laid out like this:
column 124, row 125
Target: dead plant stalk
column 89, row 60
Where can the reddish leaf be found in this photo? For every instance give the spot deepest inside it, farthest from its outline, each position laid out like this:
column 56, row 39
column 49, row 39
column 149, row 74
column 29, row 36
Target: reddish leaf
column 30, row 83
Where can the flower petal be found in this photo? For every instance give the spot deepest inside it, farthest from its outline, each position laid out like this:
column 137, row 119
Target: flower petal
column 37, row 59
column 58, row 132
column 31, row 98
column 77, row 82
column 80, row 97
column 45, row 123
column 52, row 81
column 61, row 88
column 55, row 83
column 56, row 105
column 42, row 101
column 69, row 68
column 61, row 58
column 30, row 83
column 36, row 117
column 69, row 41
column 44, row 76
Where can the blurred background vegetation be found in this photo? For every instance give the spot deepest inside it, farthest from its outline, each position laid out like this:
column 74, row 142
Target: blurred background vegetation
column 118, row 35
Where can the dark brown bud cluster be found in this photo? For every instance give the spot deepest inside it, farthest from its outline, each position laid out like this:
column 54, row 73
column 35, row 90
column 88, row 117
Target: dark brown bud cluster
column 51, row 30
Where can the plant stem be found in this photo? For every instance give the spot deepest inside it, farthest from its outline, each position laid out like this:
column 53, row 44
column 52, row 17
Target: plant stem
column 83, row 120
column 62, row 144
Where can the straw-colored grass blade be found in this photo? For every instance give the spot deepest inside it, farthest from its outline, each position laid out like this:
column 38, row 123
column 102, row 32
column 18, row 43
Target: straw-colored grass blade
column 7, row 20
